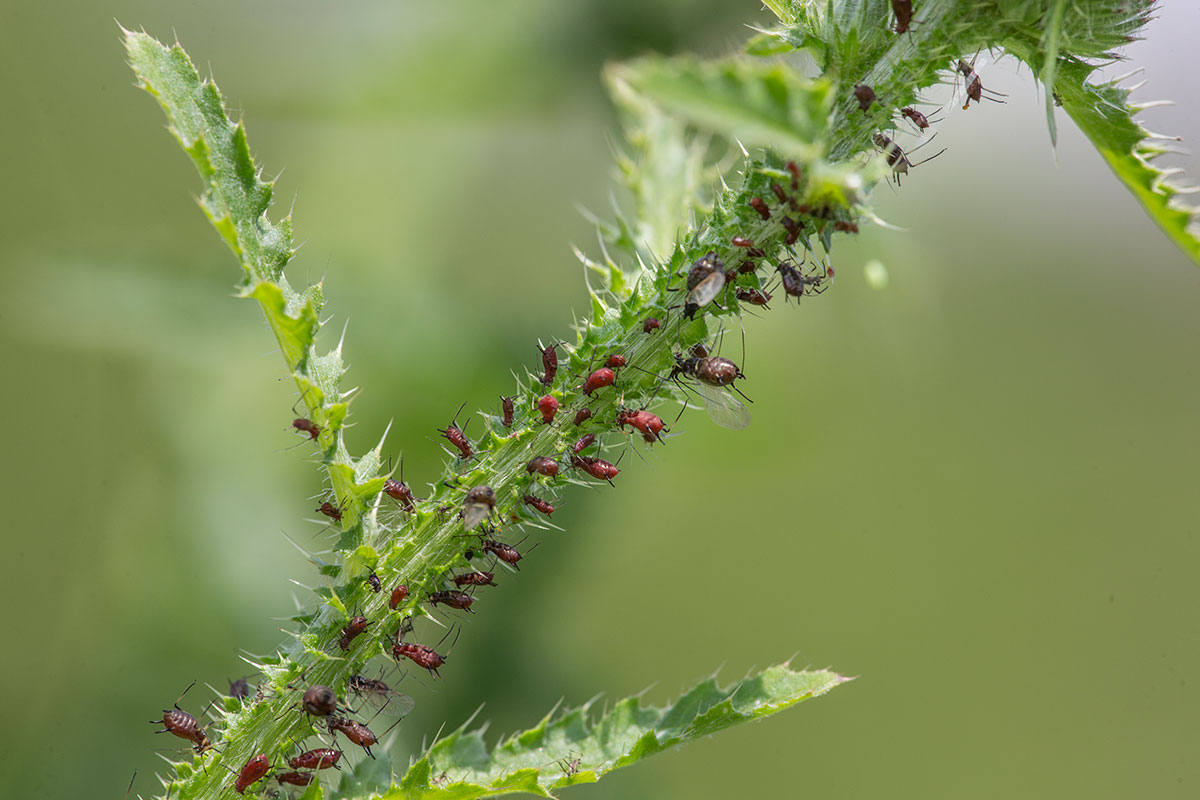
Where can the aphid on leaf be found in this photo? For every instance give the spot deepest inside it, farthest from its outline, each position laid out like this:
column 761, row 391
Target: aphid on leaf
column 754, row 297
column 793, row 229
column 479, row 503
column 596, row 467
column 321, row 758
column 549, row 407
column 421, row 655
column 539, row 504
column 353, row 628
column 780, row 194
column 761, row 207
column 797, row 284
column 615, row 361
column 178, row 722
column 865, row 96
column 399, row 595
column 916, row 117
column 319, row 701
column 974, row 86
column 330, row 510
column 713, row 377
column 796, row 174
column 356, row 732
column 582, row 416
column 307, row 426
column 903, row 11
column 474, row 578
column 455, row 435
column 583, row 442
column 549, row 363
column 650, row 325
column 294, row 778
column 741, row 241
column 376, row 584
column 506, row 405
column 252, row 773
column 239, row 689
column 505, row 552
column 598, row 380
column 896, row 158
column 543, row 465
column 705, row 279
column 378, row 692
column 845, row 227
column 650, row 425
column 453, row 598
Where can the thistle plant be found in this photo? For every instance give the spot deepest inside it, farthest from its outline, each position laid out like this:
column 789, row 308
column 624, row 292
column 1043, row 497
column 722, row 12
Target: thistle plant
column 741, row 169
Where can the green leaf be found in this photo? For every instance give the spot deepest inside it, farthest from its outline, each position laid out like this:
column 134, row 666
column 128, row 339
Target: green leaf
column 755, row 103
column 576, row 746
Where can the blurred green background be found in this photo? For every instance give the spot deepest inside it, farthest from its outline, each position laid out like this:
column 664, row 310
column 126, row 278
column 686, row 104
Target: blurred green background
column 975, row 488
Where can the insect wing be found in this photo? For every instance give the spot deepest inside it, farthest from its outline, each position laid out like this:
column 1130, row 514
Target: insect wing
column 473, row 514
column 707, row 289
column 723, row 408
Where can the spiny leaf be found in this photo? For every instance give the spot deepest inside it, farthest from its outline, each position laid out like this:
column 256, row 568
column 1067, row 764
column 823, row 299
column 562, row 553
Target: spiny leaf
column 575, row 746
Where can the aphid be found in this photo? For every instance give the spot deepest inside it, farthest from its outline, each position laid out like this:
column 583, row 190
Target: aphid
column 239, row 689
column 399, row 595
column 377, row 691
column 321, row 758
column 896, row 158
column 543, row 465
column 780, row 194
column 754, row 297
column 797, row 284
column 453, row 598
column 569, row 766
column 398, row 490
column 903, row 11
column 650, row 324
column 506, row 404
column 549, row 407
column 330, row 510
column 915, row 117
column 539, row 504
column 650, row 425
column 307, row 426
column 741, row 241
column 865, row 96
column 356, row 626
column 421, row 655
column 294, row 778
column 376, row 585
column 252, row 773
column 974, row 84
column 455, row 435
column 712, row 375
column 793, row 229
column 845, row 227
column 474, row 578
column 796, row 174
column 582, row 416
column 505, row 552
column 479, row 503
column 180, row 723
column 615, row 361
column 705, row 279
column 598, row 380
column 356, row 732
column 758, row 205
column 549, row 363
column 583, row 442
column 747, row 267
column 319, row 701
column 596, row 467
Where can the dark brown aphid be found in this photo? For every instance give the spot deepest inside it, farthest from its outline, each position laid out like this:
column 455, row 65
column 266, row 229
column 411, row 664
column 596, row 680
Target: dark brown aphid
column 356, row 732
column 741, row 241
column 974, row 84
column 780, row 194
column 506, row 404
column 615, row 361
column 455, row 435
column 896, row 158
column 294, row 778
column 319, row 701
column 239, row 689
column 453, row 598
column 549, row 407
column 543, row 465
column 596, row 467
column 761, row 207
column 583, row 442
column 797, row 284
column 321, row 758
column 754, row 297
column 650, row 325
column 793, row 168
column 650, row 425
column 398, row 490
column 479, row 503
column 474, row 578
column 252, row 773
column 419, row 654
column 712, row 375
column 747, row 267
column 355, row 627
column 845, row 227
column 378, row 692
column 178, row 722
column 582, row 415
column 307, row 426
column 399, row 595
column 793, row 229
column 505, row 552
column 916, row 117
column 705, row 279
column 598, row 380
column 903, row 11
column 330, row 510
column 376, row 584
column 865, row 96
column 549, row 363
column 539, row 504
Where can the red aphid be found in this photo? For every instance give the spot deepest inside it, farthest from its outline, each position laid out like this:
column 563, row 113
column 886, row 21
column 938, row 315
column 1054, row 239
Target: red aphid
column 549, row 363
column 865, row 96
column 598, row 380
column 398, row 490
column 903, row 11
column 178, row 722
column 543, row 465
column 549, row 407
column 795, row 170
column 793, row 230
column 780, row 195
column 539, row 504
column 615, row 361
column 761, row 207
column 307, row 426
column 596, row 467
column 650, row 425
column 506, row 403
column 474, row 578
column 505, row 552
column 582, row 415
column 253, row 772
column 330, row 510
column 356, row 732
column 321, row 758
column 420, row 655
column 583, row 442
column 455, row 435
column 651, row 324
column 356, row 626
column 754, row 297
column 742, row 241
column 294, row 778
column 747, row 267
column 845, row 227
column 399, row 595
column 453, row 598
column 917, row 118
